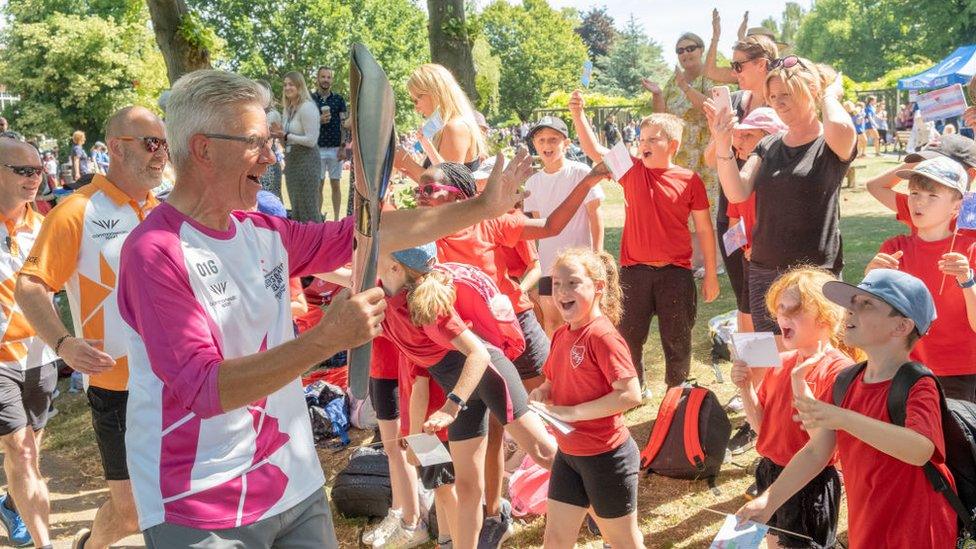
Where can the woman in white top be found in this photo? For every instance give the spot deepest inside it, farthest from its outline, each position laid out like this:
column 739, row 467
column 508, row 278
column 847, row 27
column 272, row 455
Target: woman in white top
column 300, row 134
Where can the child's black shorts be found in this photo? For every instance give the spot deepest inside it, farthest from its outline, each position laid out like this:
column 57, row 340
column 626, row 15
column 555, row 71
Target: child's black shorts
column 434, row 476
column 384, row 394
column 812, row 511
column 607, row 481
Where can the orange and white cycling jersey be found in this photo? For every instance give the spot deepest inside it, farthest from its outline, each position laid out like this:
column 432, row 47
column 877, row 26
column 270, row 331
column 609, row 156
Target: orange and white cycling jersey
column 78, row 248
column 20, row 347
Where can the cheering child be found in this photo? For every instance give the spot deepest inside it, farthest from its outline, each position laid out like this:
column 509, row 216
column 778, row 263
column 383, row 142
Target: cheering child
column 811, row 327
column 590, row 382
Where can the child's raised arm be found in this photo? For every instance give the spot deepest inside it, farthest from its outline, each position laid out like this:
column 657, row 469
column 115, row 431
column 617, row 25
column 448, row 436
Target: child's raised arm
column 882, row 187
column 588, row 141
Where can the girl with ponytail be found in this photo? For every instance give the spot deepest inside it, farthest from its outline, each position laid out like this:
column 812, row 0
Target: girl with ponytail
column 812, row 327
column 590, row 381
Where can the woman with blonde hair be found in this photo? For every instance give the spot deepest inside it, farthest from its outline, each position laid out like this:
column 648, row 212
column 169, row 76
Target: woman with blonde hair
column 300, row 134
column 80, row 164
column 451, row 125
column 796, row 176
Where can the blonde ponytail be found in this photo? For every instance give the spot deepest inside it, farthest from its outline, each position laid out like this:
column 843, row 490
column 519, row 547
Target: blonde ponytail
column 429, row 295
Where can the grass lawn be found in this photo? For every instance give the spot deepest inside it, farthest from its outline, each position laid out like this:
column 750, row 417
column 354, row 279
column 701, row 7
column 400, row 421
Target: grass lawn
column 671, row 512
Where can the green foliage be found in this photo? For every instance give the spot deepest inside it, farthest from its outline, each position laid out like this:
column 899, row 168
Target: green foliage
column 34, row 11
column 199, row 35
column 539, row 51
column 267, row 38
column 633, row 56
column 560, row 100
column 890, row 78
column 488, row 73
column 72, row 71
column 597, row 31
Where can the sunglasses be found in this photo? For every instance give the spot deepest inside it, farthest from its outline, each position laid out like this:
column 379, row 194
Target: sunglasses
column 787, row 62
column 431, row 188
column 25, row 171
column 688, row 49
column 738, row 66
column 152, row 144
column 252, row 141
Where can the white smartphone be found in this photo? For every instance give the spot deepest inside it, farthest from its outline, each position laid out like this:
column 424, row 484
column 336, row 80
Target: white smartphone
column 722, row 98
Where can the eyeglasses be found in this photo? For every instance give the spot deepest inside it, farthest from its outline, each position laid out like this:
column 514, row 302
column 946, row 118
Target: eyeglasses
column 252, row 141
column 738, row 66
column 431, row 188
column 25, row 171
column 787, row 62
column 152, row 144
column 688, row 49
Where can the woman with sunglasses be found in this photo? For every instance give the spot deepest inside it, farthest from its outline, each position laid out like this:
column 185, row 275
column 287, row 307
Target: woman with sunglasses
column 300, row 134
column 796, row 176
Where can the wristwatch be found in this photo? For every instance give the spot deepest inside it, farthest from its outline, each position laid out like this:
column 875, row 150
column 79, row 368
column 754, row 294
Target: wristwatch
column 457, row 400
column 969, row 283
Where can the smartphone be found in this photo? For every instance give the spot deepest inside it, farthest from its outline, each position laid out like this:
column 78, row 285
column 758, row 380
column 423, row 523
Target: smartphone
column 545, row 285
column 722, row 98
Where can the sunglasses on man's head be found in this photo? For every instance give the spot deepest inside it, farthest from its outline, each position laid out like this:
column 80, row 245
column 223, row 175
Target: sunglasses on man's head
column 688, row 49
column 25, row 171
column 152, row 144
column 431, row 188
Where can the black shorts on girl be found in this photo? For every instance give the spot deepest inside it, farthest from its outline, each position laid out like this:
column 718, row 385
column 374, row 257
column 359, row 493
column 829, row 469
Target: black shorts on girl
column 433, row 477
column 384, row 394
column 813, row 511
column 607, row 481
column 529, row 364
column 500, row 391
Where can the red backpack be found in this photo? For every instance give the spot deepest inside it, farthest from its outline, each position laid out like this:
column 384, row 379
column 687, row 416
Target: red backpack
column 689, row 437
column 488, row 312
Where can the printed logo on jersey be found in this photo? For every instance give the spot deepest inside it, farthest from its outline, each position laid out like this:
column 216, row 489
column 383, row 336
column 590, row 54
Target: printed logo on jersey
column 576, row 355
column 274, row 280
column 107, row 225
column 219, row 288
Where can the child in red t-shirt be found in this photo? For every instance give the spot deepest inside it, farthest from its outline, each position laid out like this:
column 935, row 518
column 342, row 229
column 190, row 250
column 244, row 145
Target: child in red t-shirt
column 655, row 249
column 811, row 327
column 425, row 322
column 943, row 260
column 590, row 383
column 890, row 501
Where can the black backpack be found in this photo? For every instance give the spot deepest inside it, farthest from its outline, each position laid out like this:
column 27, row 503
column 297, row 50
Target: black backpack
column 958, row 429
column 689, row 437
column 363, row 489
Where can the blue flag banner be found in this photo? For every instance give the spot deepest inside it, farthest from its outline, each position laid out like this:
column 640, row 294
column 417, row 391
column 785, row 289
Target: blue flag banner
column 587, row 73
column 967, row 215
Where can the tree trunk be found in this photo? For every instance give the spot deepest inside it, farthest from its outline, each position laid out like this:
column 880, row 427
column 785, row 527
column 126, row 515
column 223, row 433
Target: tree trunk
column 181, row 56
column 449, row 42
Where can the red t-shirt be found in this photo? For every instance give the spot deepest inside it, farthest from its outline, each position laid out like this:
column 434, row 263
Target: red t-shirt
column 436, row 398
column 890, row 503
column 423, row 345
column 658, row 204
column 384, row 362
column 479, row 244
column 949, row 347
column 747, row 212
column 519, row 259
column 780, row 438
column 582, row 366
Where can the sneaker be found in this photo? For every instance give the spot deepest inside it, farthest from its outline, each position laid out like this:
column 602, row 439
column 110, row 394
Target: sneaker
column 743, row 440
column 404, row 538
column 647, row 394
column 81, row 538
column 16, row 529
column 700, row 272
column 735, row 405
column 752, row 492
column 495, row 530
column 51, row 412
column 384, row 528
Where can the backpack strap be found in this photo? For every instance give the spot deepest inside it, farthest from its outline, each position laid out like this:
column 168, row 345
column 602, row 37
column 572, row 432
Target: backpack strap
column 901, row 385
column 693, row 449
column 662, row 425
column 843, row 382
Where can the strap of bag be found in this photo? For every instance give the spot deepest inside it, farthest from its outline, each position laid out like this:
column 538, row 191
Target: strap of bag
column 843, row 382
column 662, row 425
column 693, row 449
column 906, row 378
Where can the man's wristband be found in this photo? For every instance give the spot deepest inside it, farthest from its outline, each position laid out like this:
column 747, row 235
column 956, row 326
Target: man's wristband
column 969, row 283
column 57, row 346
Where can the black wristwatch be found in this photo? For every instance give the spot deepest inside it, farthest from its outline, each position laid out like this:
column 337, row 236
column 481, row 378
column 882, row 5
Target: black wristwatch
column 457, row 400
column 969, row 283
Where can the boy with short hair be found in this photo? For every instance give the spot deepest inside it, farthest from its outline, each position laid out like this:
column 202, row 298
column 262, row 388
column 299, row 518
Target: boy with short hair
column 891, row 503
column 943, row 261
column 655, row 250
column 547, row 189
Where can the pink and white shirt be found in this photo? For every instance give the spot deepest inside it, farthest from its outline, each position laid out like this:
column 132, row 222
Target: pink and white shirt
column 192, row 297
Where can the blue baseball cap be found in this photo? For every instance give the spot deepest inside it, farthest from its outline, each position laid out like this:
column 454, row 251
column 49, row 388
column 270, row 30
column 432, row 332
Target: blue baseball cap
column 905, row 293
column 270, row 204
column 421, row 258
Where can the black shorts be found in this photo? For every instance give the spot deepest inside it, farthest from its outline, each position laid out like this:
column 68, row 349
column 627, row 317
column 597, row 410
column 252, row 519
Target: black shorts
column 434, row 476
column 529, row 363
column 734, row 269
column 25, row 397
column 812, row 511
column 607, row 481
column 108, row 420
column 742, row 294
column 500, row 391
column 385, row 396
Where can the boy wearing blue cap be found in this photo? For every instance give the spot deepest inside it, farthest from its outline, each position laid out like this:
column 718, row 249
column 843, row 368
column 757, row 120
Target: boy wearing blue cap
column 890, row 501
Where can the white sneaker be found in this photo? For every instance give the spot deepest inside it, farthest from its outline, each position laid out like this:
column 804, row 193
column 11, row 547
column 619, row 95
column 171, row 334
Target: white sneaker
column 404, row 538
column 735, row 405
column 384, row 528
column 647, row 395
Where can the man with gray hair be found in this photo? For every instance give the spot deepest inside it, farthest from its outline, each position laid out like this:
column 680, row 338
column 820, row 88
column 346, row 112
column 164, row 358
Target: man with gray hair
column 219, row 442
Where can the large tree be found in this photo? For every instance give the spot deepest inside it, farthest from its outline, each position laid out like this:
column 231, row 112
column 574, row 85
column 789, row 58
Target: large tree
column 597, row 31
column 539, row 51
column 184, row 40
column 450, row 44
column 632, row 57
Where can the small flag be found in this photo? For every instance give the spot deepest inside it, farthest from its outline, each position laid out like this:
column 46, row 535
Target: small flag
column 967, row 215
column 587, row 73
